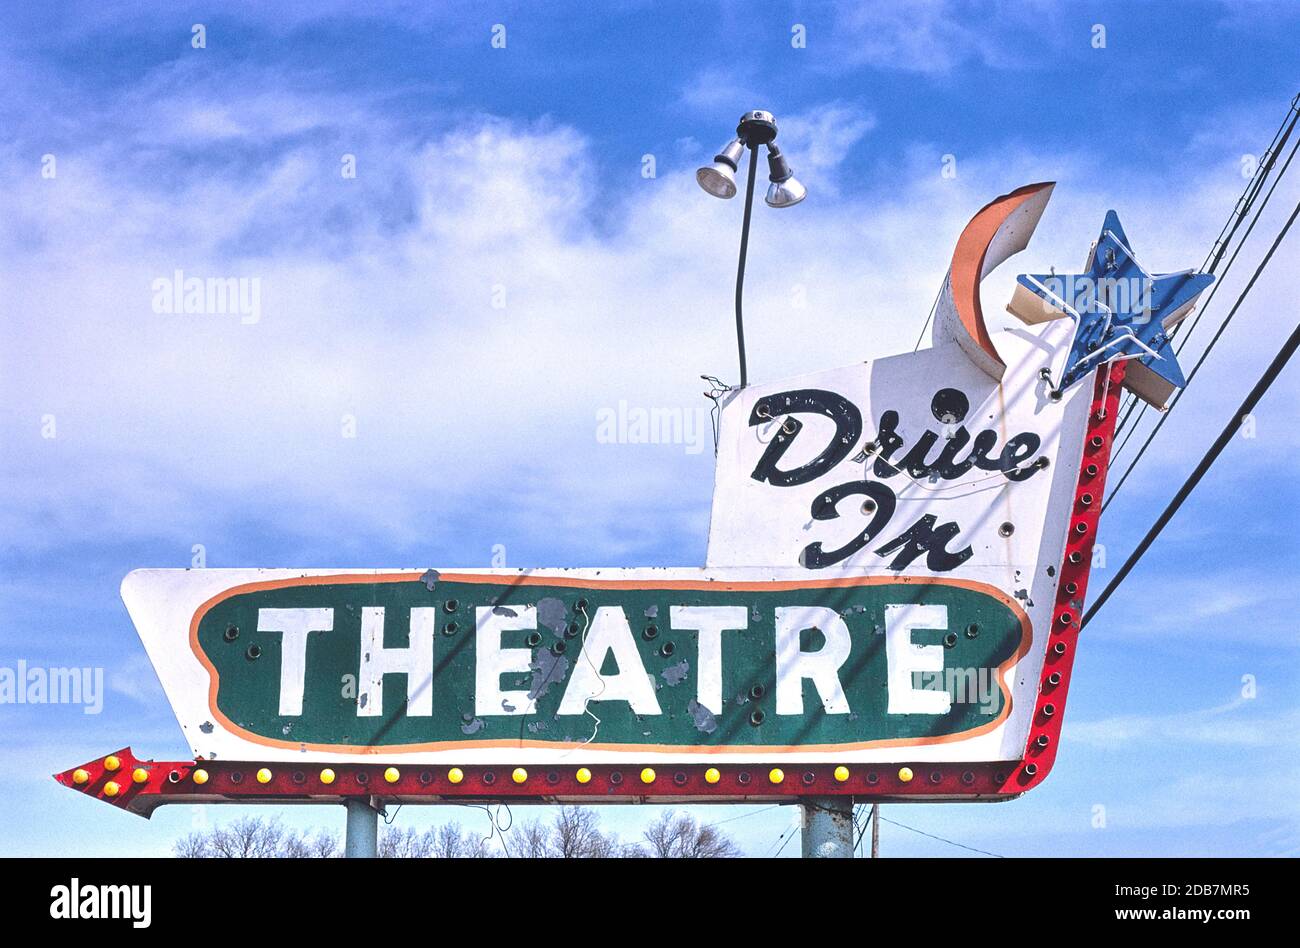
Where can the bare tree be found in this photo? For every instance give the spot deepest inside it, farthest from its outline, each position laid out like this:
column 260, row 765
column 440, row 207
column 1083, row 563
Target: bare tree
column 577, row 835
column 678, row 836
column 405, row 843
column 253, row 837
column 574, row 833
column 453, row 843
column 443, row 842
column 531, row 840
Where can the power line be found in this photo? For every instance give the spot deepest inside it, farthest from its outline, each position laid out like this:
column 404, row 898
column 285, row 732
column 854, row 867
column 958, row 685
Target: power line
column 1214, row 290
column 1212, row 260
column 863, row 828
column 982, row 852
column 1275, row 367
column 1248, row 196
column 1239, row 211
column 732, row 819
column 933, row 307
column 786, row 843
column 1199, row 362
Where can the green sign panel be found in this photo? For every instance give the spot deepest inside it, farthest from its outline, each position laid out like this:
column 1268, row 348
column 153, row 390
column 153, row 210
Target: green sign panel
column 479, row 660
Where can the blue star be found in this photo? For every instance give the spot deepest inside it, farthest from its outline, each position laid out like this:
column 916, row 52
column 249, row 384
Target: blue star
column 1120, row 311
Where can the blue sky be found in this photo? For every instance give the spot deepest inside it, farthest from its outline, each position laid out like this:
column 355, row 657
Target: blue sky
column 499, row 271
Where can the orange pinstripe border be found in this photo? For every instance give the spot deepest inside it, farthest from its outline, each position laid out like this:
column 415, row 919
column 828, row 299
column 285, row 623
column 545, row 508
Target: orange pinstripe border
column 1026, row 640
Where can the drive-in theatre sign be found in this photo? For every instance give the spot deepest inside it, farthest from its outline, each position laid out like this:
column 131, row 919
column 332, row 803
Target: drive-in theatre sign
column 897, row 561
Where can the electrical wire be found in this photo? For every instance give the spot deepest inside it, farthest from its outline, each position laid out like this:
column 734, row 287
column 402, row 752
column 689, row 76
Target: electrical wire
column 1235, row 306
column 1196, row 319
column 933, row 307
column 1240, row 210
column 789, row 835
column 743, row 816
column 862, row 830
column 1229, row 430
column 982, row 852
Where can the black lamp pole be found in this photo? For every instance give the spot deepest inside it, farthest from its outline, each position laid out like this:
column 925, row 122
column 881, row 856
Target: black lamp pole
column 740, row 270
column 756, row 129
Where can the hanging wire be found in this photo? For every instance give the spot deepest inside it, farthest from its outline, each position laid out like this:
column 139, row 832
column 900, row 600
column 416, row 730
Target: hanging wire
column 744, row 816
column 603, row 685
column 1216, row 254
column 1201, row 361
column 1230, row 429
column 862, row 830
column 1212, row 259
column 1186, row 337
column 717, row 389
column 982, row 852
column 933, row 307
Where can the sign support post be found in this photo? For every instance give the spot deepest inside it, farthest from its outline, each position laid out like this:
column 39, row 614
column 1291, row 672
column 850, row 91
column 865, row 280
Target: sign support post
column 827, row 831
column 361, row 840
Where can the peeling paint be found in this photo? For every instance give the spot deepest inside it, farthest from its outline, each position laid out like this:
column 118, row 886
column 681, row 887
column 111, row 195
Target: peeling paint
column 652, row 612
column 472, row 725
column 706, row 722
column 206, row 727
column 676, row 674
column 548, row 669
column 430, row 578
column 504, row 611
column 552, row 613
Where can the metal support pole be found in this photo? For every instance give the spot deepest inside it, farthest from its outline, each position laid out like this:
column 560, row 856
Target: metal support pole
column 875, row 830
column 362, row 838
column 740, row 270
column 827, row 831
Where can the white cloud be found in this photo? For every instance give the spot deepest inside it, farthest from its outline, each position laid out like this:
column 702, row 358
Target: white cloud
column 1238, row 723
column 377, row 303
column 935, row 36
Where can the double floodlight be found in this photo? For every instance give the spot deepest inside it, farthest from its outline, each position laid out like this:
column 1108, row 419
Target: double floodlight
column 756, row 128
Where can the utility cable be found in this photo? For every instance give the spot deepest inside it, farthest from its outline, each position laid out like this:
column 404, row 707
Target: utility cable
column 1275, row 367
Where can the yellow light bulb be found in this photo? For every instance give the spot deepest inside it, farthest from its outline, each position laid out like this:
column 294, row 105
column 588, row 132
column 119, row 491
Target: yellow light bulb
column 455, row 775
column 392, row 774
column 200, row 777
column 648, row 775
column 111, row 762
column 139, row 775
column 776, row 775
column 327, row 776
column 80, row 776
column 905, row 774
column 264, row 775
column 841, row 774
column 519, row 775
column 111, row 789
column 711, row 775
column 583, row 775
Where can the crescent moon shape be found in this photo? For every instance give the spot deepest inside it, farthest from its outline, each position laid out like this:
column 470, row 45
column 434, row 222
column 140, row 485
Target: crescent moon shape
column 999, row 230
